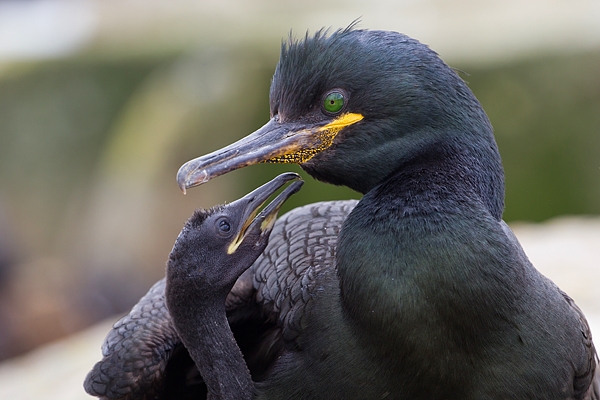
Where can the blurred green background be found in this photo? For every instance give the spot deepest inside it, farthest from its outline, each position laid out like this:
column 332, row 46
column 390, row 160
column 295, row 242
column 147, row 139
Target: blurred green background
column 101, row 102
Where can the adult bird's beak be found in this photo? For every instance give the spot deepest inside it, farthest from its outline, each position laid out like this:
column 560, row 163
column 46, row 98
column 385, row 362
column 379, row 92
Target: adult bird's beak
column 262, row 223
column 274, row 142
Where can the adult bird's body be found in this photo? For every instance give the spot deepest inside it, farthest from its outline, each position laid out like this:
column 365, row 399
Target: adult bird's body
column 425, row 293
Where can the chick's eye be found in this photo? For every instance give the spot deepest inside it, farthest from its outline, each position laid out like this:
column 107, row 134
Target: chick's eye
column 333, row 102
column 224, row 225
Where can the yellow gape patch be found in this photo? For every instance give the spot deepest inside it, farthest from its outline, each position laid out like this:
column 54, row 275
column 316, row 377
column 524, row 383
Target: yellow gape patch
column 322, row 138
column 239, row 238
column 235, row 244
column 265, row 225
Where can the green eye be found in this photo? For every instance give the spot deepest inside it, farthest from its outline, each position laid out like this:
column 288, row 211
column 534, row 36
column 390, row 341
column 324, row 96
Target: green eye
column 333, row 102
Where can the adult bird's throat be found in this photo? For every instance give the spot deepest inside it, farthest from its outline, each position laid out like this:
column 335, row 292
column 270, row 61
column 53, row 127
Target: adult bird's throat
column 275, row 142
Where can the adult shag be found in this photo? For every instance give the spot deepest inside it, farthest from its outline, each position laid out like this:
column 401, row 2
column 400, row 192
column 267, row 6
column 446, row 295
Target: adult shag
column 425, row 293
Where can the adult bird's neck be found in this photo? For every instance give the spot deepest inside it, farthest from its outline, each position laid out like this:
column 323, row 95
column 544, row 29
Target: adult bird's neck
column 444, row 176
column 395, row 254
column 454, row 169
column 206, row 334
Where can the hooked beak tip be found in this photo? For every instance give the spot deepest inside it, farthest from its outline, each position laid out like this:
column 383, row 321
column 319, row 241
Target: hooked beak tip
column 189, row 176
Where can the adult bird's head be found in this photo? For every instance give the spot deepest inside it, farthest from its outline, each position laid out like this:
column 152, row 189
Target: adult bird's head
column 217, row 245
column 356, row 106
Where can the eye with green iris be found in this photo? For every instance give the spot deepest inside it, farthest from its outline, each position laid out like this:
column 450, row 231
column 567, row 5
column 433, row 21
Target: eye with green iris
column 333, row 102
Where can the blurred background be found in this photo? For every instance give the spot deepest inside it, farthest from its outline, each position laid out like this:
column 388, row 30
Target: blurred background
column 101, row 101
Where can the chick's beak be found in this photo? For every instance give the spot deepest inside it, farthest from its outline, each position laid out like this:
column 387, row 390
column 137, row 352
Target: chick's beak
column 262, row 223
